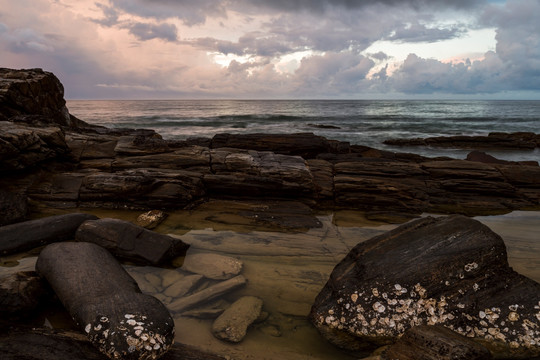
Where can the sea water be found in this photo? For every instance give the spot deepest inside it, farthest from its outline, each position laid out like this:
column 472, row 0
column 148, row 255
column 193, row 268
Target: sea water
column 359, row 122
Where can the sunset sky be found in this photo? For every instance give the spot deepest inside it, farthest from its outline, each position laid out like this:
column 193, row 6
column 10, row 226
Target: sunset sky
column 359, row 49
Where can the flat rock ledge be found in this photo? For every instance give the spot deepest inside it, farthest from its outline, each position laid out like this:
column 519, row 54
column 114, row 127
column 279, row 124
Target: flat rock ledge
column 105, row 302
column 449, row 271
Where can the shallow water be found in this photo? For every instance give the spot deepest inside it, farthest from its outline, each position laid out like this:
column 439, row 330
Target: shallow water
column 286, row 267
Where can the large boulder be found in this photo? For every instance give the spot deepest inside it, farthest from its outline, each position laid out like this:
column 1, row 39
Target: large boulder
column 105, row 302
column 35, row 233
column 131, row 242
column 451, row 271
column 32, row 91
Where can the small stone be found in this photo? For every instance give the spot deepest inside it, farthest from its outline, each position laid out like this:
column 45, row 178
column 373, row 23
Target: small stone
column 151, row 219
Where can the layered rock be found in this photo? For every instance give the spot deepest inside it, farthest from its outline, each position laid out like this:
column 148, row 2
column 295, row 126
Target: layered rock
column 450, row 271
column 32, row 91
column 105, row 302
column 497, row 140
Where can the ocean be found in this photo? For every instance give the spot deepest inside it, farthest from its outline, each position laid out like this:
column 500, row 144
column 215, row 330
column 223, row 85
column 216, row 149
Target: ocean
column 360, row 122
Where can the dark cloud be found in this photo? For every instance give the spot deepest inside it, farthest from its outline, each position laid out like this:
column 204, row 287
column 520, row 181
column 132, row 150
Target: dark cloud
column 417, row 32
column 110, row 15
column 143, row 31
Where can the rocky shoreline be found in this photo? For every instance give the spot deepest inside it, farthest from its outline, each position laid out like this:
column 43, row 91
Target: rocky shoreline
column 50, row 159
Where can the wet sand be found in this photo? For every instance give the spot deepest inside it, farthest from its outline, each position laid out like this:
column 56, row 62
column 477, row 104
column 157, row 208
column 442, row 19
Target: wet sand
column 287, row 267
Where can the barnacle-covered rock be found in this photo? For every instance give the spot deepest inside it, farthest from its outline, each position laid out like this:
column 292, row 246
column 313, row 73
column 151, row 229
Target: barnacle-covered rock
column 106, row 302
column 450, row 271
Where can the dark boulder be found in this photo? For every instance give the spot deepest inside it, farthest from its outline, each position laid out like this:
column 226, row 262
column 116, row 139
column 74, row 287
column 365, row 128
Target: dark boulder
column 46, row 344
column 13, row 207
column 35, row 233
column 21, row 295
column 131, row 242
column 435, row 343
column 105, row 302
column 451, row 271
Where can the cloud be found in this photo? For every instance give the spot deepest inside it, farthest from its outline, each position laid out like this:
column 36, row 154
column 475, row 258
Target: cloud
column 144, row 31
column 417, row 32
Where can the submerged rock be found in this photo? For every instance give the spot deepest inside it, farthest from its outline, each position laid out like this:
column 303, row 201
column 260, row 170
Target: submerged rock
column 233, row 323
column 131, row 242
column 451, row 271
column 212, row 266
column 435, row 343
column 34, row 233
column 105, row 302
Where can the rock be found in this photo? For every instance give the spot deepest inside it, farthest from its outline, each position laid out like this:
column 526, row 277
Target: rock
column 33, row 91
column 131, row 242
column 183, row 286
column 169, row 277
column 34, row 233
column 105, row 302
column 233, row 323
column 306, row 145
column 519, row 140
column 46, row 344
column 23, row 147
column 151, row 219
column 451, row 271
column 435, row 343
column 208, row 294
column 192, row 158
column 249, row 173
column 212, row 266
column 22, row 294
column 13, row 207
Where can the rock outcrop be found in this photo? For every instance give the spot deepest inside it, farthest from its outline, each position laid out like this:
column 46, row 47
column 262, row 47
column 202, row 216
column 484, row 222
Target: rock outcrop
column 450, row 271
column 35, row 92
column 105, row 302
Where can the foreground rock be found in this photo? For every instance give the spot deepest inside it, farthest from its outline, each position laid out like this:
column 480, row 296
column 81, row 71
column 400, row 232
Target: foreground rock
column 233, row 323
column 105, row 302
column 435, row 343
column 34, row 233
column 131, row 242
column 45, row 344
column 21, row 295
column 450, row 271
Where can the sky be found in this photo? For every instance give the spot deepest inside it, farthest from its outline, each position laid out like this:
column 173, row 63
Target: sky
column 278, row 49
